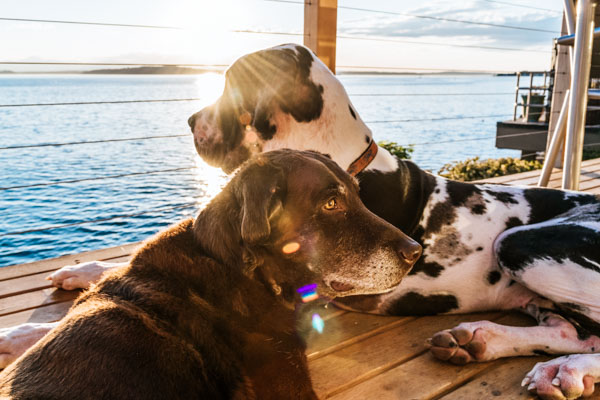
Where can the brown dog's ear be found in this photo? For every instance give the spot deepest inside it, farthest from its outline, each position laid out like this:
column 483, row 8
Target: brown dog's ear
column 260, row 199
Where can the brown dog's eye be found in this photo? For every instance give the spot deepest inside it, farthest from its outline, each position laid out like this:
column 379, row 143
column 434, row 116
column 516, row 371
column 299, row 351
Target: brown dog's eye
column 331, row 204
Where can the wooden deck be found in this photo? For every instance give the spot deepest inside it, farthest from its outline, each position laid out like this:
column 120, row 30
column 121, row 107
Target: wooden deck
column 358, row 356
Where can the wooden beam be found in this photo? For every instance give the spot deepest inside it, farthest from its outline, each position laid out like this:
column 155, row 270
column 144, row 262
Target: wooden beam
column 320, row 29
column 562, row 80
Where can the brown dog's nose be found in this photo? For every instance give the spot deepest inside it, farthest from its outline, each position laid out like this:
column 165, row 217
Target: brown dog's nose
column 410, row 251
column 340, row 286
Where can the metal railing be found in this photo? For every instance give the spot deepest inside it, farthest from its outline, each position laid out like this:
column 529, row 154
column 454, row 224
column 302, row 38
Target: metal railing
column 182, row 206
column 532, row 91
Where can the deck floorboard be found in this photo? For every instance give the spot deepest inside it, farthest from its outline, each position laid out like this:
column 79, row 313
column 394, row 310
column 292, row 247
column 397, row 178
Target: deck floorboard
column 358, row 356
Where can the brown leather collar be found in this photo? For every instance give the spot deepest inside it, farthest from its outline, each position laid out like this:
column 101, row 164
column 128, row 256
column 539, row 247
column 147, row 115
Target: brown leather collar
column 363, row 160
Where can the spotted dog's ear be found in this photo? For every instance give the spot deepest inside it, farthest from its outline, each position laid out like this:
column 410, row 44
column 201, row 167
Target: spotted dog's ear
column 261, row 196
column 276, row 80
column 305, row 99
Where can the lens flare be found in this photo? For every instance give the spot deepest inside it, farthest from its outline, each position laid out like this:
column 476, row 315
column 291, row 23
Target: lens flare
column 317, row 323
column 291, row 247
column 308, row 292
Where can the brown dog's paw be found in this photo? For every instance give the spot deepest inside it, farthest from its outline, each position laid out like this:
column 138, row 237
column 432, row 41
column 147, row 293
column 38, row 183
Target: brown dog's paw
column 459, row 345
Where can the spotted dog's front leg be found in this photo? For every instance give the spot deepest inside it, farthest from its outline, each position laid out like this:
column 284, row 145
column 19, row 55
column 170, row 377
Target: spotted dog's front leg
column 567, row 377
column 485, row 340
column 15, row 340
column 81, row 276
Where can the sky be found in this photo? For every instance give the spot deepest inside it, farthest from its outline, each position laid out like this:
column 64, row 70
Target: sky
column 206, row 35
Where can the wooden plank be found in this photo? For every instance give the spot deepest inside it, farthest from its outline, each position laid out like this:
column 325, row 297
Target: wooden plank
column 421, row 377
column 52, row 264
column 29, row 283
column 594, row 190
column 26, row 301
column 501, row 382
column 49, row 313
column 379, row 353
column 588, row 174
column 510, row 179
column 346, row 329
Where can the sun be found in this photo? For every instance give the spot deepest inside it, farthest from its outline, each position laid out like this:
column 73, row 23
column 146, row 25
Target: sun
column 207, row 26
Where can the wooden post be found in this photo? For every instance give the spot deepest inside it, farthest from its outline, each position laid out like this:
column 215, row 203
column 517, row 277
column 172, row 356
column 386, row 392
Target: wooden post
column 562, row 80
column 580, row 83
column 320, row 29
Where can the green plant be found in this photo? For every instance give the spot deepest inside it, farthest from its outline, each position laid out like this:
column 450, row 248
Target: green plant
column 588, row 154
column 396, row 149
column 474, row 168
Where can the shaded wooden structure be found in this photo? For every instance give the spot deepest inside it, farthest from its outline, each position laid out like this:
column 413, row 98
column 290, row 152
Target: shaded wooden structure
column 358, row 356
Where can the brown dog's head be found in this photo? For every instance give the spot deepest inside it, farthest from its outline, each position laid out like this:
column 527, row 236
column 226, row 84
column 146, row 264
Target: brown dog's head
column 295, row 218
column 263, row 91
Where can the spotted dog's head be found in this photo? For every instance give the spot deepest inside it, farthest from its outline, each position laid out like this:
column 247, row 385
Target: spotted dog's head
column 299, row 219
column 281, row 97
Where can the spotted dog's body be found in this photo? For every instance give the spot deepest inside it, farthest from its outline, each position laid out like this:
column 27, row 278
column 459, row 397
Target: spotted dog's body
column 486, row 247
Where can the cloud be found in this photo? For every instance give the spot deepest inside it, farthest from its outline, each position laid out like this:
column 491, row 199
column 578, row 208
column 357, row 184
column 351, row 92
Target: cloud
column 403, row 27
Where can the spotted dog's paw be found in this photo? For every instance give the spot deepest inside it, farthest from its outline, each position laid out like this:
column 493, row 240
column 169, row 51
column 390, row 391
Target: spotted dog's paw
column 468, row 342
column 15, row 340
column 79, row 276
column 567, row 377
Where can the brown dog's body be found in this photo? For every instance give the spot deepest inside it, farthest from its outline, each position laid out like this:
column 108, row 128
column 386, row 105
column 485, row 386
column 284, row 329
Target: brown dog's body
column 205, row 309
column 174, row 324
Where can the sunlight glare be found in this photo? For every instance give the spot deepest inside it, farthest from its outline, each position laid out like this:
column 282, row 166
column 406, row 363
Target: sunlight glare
column 208, row 27
column 210, row 181
column 209, row 87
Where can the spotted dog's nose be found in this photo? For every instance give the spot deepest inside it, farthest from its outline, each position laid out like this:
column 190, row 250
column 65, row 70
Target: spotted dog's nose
column 192, row 121
column 199, row 127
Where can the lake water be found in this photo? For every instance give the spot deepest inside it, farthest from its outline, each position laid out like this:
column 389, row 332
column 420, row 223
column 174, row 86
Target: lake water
column 46, row 220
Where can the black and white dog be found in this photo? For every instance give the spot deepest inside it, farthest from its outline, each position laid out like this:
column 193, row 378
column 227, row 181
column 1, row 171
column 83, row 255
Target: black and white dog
column 485, row 247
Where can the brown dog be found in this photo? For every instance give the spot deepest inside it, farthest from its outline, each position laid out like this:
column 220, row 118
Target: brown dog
column 206, row 308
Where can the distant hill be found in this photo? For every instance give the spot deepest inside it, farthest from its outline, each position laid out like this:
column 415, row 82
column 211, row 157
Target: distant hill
column 153, row 70
column 7, row 72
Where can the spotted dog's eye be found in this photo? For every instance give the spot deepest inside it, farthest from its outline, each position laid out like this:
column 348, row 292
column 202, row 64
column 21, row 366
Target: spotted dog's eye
column 331, row 204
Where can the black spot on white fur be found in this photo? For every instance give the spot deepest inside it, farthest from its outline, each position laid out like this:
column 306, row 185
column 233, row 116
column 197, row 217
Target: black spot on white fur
column 541, row 353
column 584, row 325
column 561, row 243
column 503, row 197
column 413, row 303
column 493, row 277
column 352, row 111
column 460, row 192
column 432, row 269
column 402, row 208
column 512, row 222
column 548, row 203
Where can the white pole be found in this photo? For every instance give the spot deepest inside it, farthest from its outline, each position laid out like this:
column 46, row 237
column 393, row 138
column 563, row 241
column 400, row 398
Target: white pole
column 580, row 77
column 568, row 6
column 557, row 141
